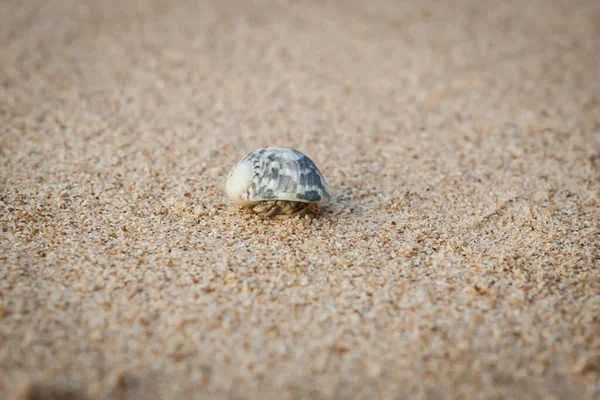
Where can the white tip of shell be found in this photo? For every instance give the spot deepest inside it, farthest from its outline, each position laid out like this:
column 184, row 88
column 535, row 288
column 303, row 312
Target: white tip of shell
column 238, row 181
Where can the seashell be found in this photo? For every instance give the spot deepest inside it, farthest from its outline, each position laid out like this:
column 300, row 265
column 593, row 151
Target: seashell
column 277, row 181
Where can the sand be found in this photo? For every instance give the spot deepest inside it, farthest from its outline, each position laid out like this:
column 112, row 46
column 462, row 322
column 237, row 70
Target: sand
column 459, row 257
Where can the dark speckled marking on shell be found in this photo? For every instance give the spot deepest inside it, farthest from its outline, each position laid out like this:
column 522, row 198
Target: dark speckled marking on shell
column 282, row 173
column 311, row 195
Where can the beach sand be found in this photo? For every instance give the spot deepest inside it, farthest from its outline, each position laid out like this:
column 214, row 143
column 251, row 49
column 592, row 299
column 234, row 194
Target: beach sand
column 459, row 257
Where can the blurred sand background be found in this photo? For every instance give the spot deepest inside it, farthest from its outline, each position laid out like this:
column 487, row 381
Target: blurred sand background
column 459, row 258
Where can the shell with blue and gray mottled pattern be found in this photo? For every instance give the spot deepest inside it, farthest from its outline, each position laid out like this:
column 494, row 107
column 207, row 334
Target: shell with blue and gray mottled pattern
column 276, row 173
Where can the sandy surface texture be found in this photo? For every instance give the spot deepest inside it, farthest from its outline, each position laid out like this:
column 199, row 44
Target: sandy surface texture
column 459, row 257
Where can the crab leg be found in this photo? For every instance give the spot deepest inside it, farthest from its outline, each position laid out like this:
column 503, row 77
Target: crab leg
column 287, row 208
column 299, row 213
column 276, row 210
column 261, row 208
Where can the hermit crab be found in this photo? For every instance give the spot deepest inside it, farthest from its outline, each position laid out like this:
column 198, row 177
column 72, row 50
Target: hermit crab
column 277, row 182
